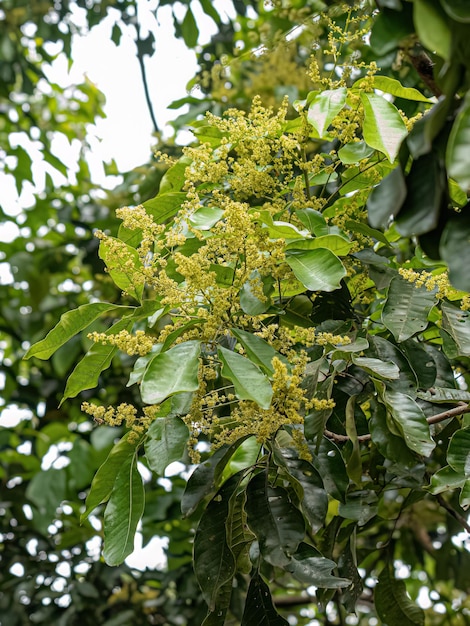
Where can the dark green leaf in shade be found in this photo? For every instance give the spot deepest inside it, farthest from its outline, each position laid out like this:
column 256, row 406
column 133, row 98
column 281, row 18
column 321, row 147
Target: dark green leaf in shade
column 458, row 452
column 386, row 199
column 386, row 351
column 69, row 325
column 205, row 478
column 446, row 479
column 317, row 270
column 383, row 127
column 458, row 10
column 103, row 482
column 457, row 324
column 259, row 607
column 248, row 380
column 443, row 395
column 433, row 27
column 354, row 461
column 426, row 185
column 214, row 562
column 457, row 147
column 312, row 496
column 123, row 513
column 406, row 309
column 422, row 363
column 445, row 374
column 166, row 442
column 46, row 491
column 408, row 416
column 330, row 465
column 171, row 372
column 360, row 506
column 392, row 447
column 277, row 523
column 189, row 29
column 454, row 248
column 393, row 604
column 464, row 499
column 390, row 28
column 308, row 566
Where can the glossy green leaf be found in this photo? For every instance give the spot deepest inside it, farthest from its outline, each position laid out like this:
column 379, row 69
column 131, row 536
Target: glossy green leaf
column 103, row 482
column 206, row 217
column 445, row 395
column 247, row 378
column 458, row 10
column 384, row 369
column 422, row 363
column 123, row 513
column 365, row 229
column 214, row 563
column 354, row 461
column 393, row 604
column 457, row 147
column 313, row 220
column 259, row 607
column 386, row 199
column 354, row 152
column 329, row 463
column 166, row 442
column 258, row 350
column 458, row 452
column 395, row 88
column 411, row 421
column 446, row 479
column 313, row 498
column 406, row 309
column 454, row 248
column 457, row 323
column 309, row 567
column 386, row 351
column 171, row 372
column 69, row 325
column 433, row 27
column 172, row 182
column 189, row 29
column 98, row 358
column 464, row 499
column 335, row 243
column 392, row 447
column 324, row 107
column 383, row 127
column 165, row 205
column 317, row 270
column 122, row 267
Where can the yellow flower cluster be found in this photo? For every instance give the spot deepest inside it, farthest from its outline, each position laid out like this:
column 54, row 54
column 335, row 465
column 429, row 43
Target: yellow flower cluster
column 122, row 414
column 439, row 282
column 139, row 343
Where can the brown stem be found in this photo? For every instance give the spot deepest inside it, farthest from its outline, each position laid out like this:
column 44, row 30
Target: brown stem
column 461, row 408
column 455, row 514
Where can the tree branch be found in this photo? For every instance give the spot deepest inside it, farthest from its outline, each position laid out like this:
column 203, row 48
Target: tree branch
column 140, row 57
column 460, row 409
column 455, row 514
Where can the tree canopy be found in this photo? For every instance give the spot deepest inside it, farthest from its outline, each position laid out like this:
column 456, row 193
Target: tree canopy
column 256, row 347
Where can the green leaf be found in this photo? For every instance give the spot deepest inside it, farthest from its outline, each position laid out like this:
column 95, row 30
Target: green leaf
column 392, row 447
column 464, row 499
column 386, row 351
column 445, row 395
column 317, row 270
column 103, row 482
column 360, row 506
column 458, row 452
column 69, row 325
column 411, row 422
column 165, row 205
column 172, row 181
column 386, row 199
column 123, row 513
column 458, row 10
column 205, row 478
column 335, row 243
column 214, row 563
column 422, row 363
column 189, row 29
column 324, row 107
column 329, row 463
column 457, row 147
column 354, row 152
column 457, row 323
column 248, row 380
column 259, row 351
column 98, row 358
column 313, row 220
column 433, row 27
column 313, row 498
column 46, row 490
column 406, row 309
column 383, row 127
column 277, row 523
column 309, row 567
column 393, row 604
column 259, row 608
column 395, row 88
column 171, row 372
column 122, row 267
column 454, row 248
column 166, row 442
column 354, row 462
column 364, row 229
column 446, row 479
column 206, row 217
column 384, row 369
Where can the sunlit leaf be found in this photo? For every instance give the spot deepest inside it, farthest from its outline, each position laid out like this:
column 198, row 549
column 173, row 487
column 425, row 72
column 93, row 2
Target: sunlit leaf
column 384, row 369
column 248, row 380
column 324, row 107
column 395, row 88
column 317, row 270
column 166, row 442
column 406, row 309
column 383, row 128
column 406, row 414
column 122, row 267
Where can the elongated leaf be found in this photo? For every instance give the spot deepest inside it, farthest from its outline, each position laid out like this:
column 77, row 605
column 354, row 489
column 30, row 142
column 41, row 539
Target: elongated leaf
column 446, row 479
column 411, row 421
column 309, row 567
column 457, row 323
column 458, row 10
column 205, row 478
column 393, row 604
column 406, row 309
column 165, row 205
column 313, row 498
column 329, row 463
column 277, row 523
column 395, row 88
column 386, row 351
column 214, row 563
column 386, row 199
column 335, row 243
column 166, row 442
column 354, row 152
column 69, row 325
column 122, row 267
column 360, row 506
column 325, row 107
column 317, row 270
column 248, row 380
column 454, row 248
column 445, row 395
column 422, row 363
column 257, row 349
column 389, row 444
column 384, row 369
column 103, row 482
column 457, row 147
column 313, row 220
column 171, row 372
column 433, row 27
column 383, row 127
column 259, row 607
column 354, row 462
column 458, row 453
column 123, row 513
column 98, row 358
column 189, row 29
column 364, row 229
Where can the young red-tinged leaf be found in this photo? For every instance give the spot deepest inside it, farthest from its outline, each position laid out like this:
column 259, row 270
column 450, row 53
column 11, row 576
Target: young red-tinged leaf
column 123, row 512
column 383, row 127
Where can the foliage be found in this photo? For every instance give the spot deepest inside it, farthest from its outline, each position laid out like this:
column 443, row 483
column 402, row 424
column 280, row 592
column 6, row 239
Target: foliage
column 288, row 323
